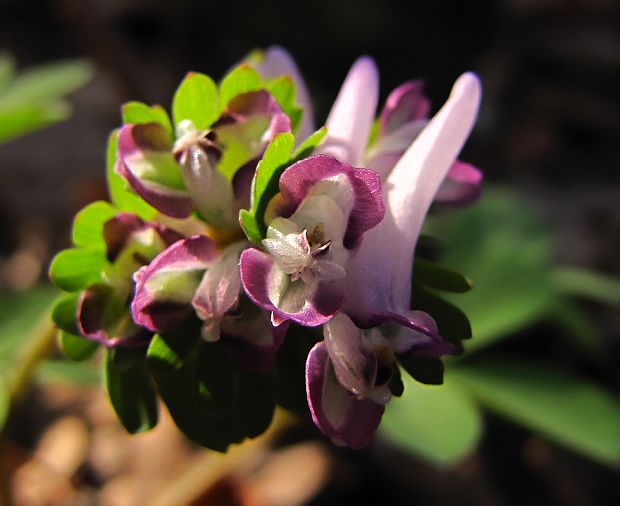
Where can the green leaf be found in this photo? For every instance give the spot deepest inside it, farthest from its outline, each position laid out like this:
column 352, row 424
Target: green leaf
column 283, row 90
column 265, row 185
column 138, row 113
column 7, row 70
column 74, row 269
column 64, row 312
column 255, row 402
column 21, row 312
column 438, row 277
column 47, row 82
column 427, row 370
column 306, row 148
column 130, row 390
column 61, row 371
column 241, row 79
column 196, row 100
column 584, row 283
column 88, row 224
column 438, row 424
column 569, row 411
column 120, row 193
column 5, row 402
column 505, row 249
column 22, row 118
column 76, row 347
column 452, row 322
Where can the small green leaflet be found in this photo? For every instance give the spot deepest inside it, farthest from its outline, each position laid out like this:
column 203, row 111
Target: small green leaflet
column 136, row 113
column 241, row 79
column 196, row 100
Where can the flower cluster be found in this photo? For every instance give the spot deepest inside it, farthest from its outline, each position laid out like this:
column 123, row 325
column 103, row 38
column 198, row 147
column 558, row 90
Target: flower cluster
column 236, row 224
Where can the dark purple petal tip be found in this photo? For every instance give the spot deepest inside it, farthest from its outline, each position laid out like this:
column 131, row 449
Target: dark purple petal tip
column 336, row 412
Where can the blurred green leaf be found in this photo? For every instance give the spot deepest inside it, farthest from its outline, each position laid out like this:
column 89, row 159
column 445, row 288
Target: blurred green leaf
column 438, row 424
column 61, row 371
column 241, row 79
column 120, row 193
column 76, row 268
column 137, row 113
column 569, row 411
column 47, row 82
column 585, row 283
column 265, row 185
column 196, row 100
column 20, row 314
column 5, row 402
column 130, row 389
column 21, row 118
column 500, row 244
column 7, row 70
column 76, row 347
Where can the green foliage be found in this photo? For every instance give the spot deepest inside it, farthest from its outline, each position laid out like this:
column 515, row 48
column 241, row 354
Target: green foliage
column 501, row 244
column 137, row 113
column 439, row 424
column 265, row 185
column 76, row 268
column 220, row 405
column 196, row 100
column 306, row 148
column 427, row 370
column 88, row 225
column 130, row 389
column 572, row 412
column 21, row 314
column 283, row 90
column 120, row 194
column 76, row 347
column 34, row 99
column 435, row 276
column 241, row 79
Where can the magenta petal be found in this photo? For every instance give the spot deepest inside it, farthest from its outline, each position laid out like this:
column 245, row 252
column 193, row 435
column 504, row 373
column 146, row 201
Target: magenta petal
column 100, row 307
column 259, row 103
column 135, row 143
column 257, row 270
column 162, row 311
column 336, row 412
column 462, row 185
column 368, row 209
column 405, row 104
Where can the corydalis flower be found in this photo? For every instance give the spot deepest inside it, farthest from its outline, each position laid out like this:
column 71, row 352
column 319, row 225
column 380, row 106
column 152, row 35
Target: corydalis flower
column 102, row 313
column 347, row 374
column 192, row 276
column 316, row 221
column 403, row 117
column 193, row 172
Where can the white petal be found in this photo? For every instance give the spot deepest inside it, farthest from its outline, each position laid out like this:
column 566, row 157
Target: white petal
column 351, row 117
column 379, row 275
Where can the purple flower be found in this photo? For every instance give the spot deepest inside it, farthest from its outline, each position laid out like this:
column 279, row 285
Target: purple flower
column 403, row 117
column 194, row 172
column 356, row 359
column 315, row 223
column 102, row 313
column 192, row 276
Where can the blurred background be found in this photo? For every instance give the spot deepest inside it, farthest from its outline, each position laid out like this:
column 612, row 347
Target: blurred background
column 529, row 415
